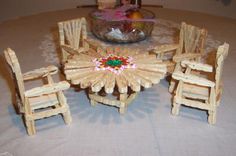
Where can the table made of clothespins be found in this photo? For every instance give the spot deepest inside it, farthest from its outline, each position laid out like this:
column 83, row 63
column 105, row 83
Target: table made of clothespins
column 124, row 71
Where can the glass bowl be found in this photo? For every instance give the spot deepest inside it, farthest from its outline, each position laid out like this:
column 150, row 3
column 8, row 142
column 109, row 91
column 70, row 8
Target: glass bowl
column 123, row 31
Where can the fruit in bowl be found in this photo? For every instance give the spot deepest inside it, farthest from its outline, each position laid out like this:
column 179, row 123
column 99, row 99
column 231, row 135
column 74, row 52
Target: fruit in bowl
column 135, row 15
column 122, row 25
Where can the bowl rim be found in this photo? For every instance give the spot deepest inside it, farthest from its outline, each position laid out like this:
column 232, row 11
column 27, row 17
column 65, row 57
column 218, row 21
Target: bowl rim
column 152, row 16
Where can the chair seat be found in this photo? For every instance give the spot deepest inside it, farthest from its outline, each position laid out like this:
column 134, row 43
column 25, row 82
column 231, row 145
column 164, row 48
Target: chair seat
column 43, row 101
column 170, row 66
column 196, row 92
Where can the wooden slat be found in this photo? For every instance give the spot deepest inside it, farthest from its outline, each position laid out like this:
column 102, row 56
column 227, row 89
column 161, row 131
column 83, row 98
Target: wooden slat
column 186, row 56
column 193, row 79
column 79, row 65
column 104, row 100
column 46, row 113
column 41, row 72
column 197, row 66
column 110, row 83
column 146, row 83
column 165, row 48
column 96, row 87
column 153, row 77
column 195, row 104
column 44, row 101
column 93, row 78
column 78, row 79
column 47, row 89
column 133, row 83
column 121, row 83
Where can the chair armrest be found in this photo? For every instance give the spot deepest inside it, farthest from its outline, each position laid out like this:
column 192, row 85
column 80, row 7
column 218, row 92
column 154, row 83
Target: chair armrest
column 186, row 56
column 41, row 72
column 71, row 50
column 197, row 66
column 47, row 89
column 193, row 79
column 165, row 48
column 92, row 44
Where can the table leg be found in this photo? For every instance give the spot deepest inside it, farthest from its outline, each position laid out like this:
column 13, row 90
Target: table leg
column 92, row 101
column 123, row 104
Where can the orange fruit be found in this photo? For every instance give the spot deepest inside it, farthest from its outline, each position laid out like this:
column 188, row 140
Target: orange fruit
column 136, row 15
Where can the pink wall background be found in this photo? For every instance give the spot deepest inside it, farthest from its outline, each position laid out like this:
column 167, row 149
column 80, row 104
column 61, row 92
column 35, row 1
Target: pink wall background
column 10, row 9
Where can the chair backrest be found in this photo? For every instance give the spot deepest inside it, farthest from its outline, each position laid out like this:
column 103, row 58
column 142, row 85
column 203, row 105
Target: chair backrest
column 221, row 54
column 73, row 32
column 12, row 60
column 191, row 39
column 106, row 4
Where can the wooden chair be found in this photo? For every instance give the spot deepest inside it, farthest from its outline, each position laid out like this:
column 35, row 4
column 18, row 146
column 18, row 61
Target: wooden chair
column 190, row 46
column 106, row 4
column 39, row 102
column 198, row 90
column 73, row 37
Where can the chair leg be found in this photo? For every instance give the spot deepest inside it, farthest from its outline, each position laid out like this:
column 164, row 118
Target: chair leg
column 67, row 117
column 93, row 102
column 212, row 117
column 122, row 108
column 30, row 126
column 123, row 105
column 175, row 108
column 218, row 98
column 172, row 86
column 218, row 102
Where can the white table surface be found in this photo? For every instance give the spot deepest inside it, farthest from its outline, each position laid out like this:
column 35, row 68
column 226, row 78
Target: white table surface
column 147, row 128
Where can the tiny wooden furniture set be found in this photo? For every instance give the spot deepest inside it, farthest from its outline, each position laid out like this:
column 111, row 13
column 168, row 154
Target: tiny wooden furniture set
column 124, row 71
column 39, row 102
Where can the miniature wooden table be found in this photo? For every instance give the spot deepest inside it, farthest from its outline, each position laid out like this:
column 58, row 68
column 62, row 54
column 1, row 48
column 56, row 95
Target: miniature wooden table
column 124, row 70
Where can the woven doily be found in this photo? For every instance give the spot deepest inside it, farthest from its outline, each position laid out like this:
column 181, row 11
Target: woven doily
column 164, row 32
